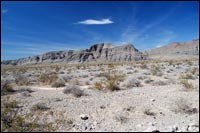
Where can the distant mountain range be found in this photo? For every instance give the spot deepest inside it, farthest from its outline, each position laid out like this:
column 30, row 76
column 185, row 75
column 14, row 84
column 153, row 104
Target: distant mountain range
column 108, row 53
column 177, row 48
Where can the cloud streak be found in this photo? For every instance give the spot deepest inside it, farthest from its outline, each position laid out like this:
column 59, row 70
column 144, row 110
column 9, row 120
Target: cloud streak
column 96, row 22
column 4, row 11
column 131, row 34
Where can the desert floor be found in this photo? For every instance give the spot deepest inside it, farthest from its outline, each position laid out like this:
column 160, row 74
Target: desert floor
column 139, row 96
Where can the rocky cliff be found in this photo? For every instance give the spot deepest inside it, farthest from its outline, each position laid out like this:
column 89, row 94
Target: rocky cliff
column 96, row 53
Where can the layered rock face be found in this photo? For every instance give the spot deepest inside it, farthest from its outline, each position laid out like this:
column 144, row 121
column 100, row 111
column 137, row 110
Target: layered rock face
column 96, row 53
column 177, row 48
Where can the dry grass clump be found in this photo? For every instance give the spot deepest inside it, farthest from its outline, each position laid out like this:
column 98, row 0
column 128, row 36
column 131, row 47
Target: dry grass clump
column 148, row 81
column 155, row 69
column 21, row 80
column 98, row 85
column 194, row 70
column 187, row 86
column 170, row 62
column 110, row 82
column 121, row 118
column 75, row 82
column 111, row 85
column 148, row 111
column 132, row 83
column 58, row 84
column 48, row 78
column 39, row 107
column 182, row 106
column 11, row 121
column 23, row 89
column 159, row 83
column 6, row 88
column 186, row 76
column 143, row 65
column 189, row 62
column 66, row 78
column 57, row 68
column 75, row 90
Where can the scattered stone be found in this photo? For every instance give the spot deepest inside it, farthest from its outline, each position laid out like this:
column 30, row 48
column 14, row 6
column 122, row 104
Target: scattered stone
column 83, row 117
column 102, row 107
column 193, row 128
column 153, row 100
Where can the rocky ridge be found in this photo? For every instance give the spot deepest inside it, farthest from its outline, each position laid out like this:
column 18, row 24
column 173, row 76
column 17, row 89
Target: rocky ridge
column 97, row 53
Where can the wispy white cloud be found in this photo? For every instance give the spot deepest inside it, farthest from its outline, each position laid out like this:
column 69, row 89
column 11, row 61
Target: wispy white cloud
column 4, row 11
column 29, row 49
column 167, row 37
column 158, row 46
column 131, row 33
column 96, row 22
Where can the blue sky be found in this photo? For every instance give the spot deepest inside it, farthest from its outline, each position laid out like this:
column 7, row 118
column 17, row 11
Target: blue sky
column 31, row 28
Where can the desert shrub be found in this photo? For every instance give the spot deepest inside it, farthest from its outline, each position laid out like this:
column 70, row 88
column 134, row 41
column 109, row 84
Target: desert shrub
column 147, row 81
column 6, row 88
column 132, row 83
column 155, row 69
column 143, row 65
column 130, row 72
column 104, row 74
column 48, row 78
column 159, row 83
column 194, row 70
column 178, row 62
column 73, row 89
column 121, row 118
column 142, row 77
column 11, row 121
column 39, row 107
column 111, row 81
column 98, row 85
column 22, row 89
column 182, row 106
column 58, row 84
column 21, row 80
column 25, row 91
column 170, row 62
column 187, row 86
column 159, row 74
column 111, row 85
column 186, row 76
column 57, row 68
column 111, row 65
column 66, row 78
column 190, row 63
column 87, row 83
column 148, row 111
column 75, row 82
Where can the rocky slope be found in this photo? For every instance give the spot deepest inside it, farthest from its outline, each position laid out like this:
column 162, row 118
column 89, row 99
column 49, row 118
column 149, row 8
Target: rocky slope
column 96, row 53
column 176, row 49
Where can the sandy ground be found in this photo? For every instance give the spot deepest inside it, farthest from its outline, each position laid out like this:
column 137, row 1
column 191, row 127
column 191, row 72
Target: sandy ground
column 152, row 107
column 120, row 110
